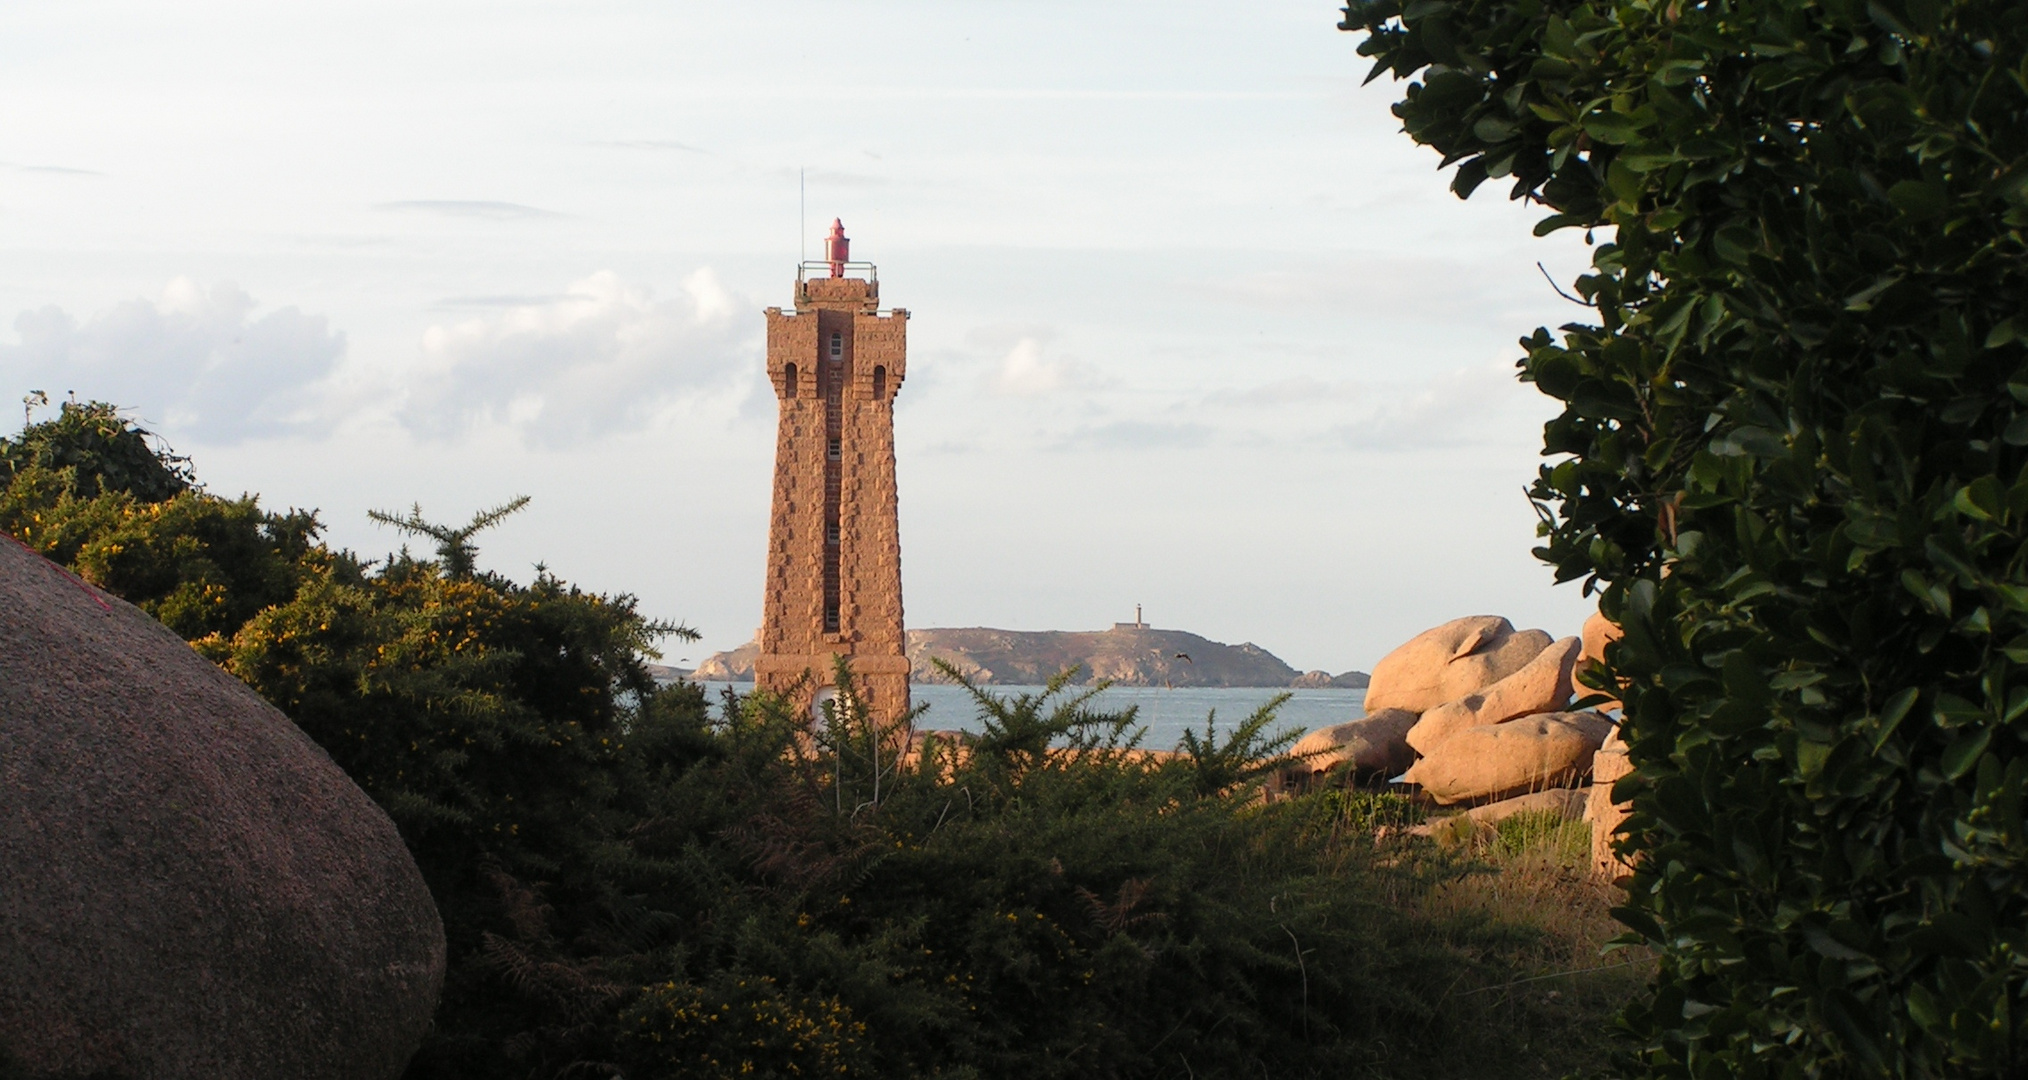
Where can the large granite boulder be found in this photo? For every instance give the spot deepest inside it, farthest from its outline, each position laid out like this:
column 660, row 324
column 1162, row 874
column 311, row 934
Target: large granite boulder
column 1375, row 745
column 1460, row 657
column 1608, row 767
column 1598, row 633
column 1542, row 685
column 188, row 886
column 1499, row 761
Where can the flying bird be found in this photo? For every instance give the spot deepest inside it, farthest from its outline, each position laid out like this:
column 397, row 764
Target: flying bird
column 1185, row 657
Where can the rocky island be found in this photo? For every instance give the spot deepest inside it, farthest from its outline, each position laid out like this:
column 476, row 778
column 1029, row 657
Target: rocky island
column 1129, row 654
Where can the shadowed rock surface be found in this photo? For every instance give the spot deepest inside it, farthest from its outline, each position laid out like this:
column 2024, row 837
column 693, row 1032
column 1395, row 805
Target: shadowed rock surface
column 188, row 886
column 1375, row 745
column 1499, row 761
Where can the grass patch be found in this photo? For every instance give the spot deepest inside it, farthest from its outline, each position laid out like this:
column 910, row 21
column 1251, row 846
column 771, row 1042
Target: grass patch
column 1535, row 994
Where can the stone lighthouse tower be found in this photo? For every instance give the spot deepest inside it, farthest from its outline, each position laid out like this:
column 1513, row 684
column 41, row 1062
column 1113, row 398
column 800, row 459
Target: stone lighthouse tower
column 834, row 544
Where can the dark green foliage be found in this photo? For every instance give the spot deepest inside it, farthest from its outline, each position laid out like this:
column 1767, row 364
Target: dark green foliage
column 1006, row 911
column 1791, row 456
column 1249, row 753
column 742, row 1026
column 86, row 490
column 632, row 886
column 455, row 550
column 106, row 451
column 1364, row 811
column 500, row 725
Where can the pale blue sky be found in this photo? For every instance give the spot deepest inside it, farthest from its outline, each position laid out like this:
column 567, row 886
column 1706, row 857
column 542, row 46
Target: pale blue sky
column 1194, row 325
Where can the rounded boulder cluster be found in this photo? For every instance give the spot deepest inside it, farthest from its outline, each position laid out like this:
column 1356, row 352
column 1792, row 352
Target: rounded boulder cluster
column 1476, row 713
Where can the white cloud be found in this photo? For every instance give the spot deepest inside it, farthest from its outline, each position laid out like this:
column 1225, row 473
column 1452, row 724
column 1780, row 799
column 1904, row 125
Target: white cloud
column 55, row 170
column 1478, row 405
column 195, row 359
column 603, row 357
column 652, row 144
column 1474, row 405
column 1296, row 390
column 598, row 358
column 1138, row 435
column 1025, row 372
column 472, row 208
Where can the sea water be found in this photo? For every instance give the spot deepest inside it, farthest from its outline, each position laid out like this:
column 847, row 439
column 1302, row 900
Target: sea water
column 1164, row 711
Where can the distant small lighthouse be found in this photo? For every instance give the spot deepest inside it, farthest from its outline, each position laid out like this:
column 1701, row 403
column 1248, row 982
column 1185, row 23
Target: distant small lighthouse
column 834, row 539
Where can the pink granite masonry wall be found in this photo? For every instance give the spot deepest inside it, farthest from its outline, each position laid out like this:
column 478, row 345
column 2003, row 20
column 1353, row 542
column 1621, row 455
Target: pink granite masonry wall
column 863, row 570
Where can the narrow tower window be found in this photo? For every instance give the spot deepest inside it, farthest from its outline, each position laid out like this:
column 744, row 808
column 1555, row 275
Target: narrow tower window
column 831, row 388
column 789, row 380
column 880, row 382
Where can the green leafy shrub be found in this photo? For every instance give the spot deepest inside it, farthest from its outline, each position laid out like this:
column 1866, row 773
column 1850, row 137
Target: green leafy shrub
column 502, row 727
column 101, row 450
column 1009, row 910
column 1791, row 456
column 634, row 884
column 88, row 490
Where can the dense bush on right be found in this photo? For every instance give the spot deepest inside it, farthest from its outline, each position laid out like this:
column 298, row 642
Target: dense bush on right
column 1793, row 456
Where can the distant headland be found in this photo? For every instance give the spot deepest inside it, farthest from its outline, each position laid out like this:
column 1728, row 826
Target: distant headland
column 1129, row 654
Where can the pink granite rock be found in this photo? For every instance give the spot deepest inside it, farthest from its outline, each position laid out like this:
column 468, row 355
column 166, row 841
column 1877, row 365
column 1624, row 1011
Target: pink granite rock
column 1542, row 685
column 1443, row 664
column 1608, row 766
column 1498, row 761
column 191, row 887
column 1374, row 745
column 1598, row 632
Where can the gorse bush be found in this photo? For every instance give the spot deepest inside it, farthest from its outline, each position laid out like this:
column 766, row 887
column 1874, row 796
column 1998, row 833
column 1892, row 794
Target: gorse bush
column 743, row 1027
column 1792, row 457
column 636, row 883
column 999, row 910
column 88, row 490
column 100, row 451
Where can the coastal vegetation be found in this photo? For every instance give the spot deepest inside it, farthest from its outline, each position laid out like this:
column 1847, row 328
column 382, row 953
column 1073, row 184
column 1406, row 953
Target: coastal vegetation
column 1793, row 462
column 635, row 881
